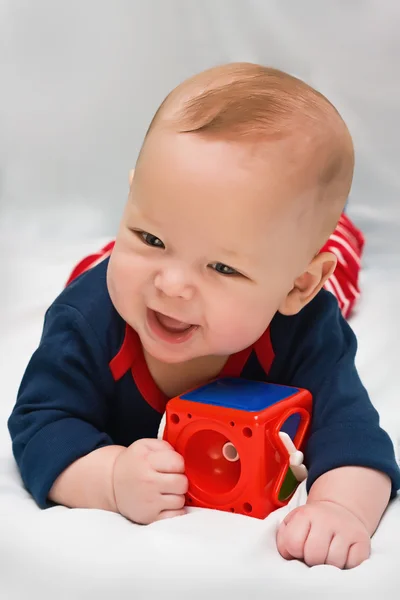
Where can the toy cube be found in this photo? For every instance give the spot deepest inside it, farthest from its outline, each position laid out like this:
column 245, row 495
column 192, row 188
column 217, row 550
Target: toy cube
column 230, row 435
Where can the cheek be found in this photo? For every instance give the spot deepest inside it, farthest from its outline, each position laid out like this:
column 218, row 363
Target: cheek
column 127, row 277
column 238, row 320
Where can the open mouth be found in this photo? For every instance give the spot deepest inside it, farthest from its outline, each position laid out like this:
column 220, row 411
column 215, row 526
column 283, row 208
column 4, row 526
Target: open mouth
column 169, row 329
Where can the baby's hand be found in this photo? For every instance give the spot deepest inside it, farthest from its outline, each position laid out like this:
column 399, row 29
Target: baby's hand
column 324, row 532
column 149, row 481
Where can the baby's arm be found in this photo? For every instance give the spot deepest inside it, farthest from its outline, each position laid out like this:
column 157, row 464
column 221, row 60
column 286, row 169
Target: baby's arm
column 59, row 431
column 350, row 458
column 88, row 482
column 144, row 482
column 363, row 492
column 343, row 510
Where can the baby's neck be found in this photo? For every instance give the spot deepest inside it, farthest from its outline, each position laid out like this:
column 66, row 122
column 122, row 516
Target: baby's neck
column 175, row 379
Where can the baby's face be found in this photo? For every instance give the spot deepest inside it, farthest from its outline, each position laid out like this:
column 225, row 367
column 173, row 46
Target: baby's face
column 209, row 246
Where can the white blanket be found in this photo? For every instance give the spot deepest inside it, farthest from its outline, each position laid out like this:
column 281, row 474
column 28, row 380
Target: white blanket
column 82, row 554
column 79, row 84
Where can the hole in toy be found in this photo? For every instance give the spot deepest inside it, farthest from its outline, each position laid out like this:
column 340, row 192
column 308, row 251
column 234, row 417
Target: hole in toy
column 291, row 425
column 247, row 507
column 230, row 453
column 288, row 486
column 175, row 419
column 189, row 416
column 206, row 466
column 232, row 424
column 290, row 483
column 247, row 432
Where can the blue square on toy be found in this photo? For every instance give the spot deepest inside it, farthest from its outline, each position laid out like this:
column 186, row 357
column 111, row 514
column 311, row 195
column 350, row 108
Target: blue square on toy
column 240, row 394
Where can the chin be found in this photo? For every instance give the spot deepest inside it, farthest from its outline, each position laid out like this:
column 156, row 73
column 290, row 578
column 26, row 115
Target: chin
column 169, row 356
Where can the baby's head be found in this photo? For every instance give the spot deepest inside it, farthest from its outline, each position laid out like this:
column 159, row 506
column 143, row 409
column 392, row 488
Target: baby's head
column 241, row 179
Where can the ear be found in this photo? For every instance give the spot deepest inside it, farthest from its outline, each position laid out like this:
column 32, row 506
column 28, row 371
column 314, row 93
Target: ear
column 131, row 174
column 309, row 283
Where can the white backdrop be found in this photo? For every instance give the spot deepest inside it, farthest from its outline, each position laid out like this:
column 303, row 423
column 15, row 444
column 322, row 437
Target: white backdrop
column 79, row 83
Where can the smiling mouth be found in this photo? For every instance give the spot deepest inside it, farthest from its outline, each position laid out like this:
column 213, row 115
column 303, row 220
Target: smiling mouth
column 169, row 329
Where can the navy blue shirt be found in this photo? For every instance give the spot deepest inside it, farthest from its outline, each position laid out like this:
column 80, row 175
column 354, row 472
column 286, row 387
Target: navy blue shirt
column 87, row 386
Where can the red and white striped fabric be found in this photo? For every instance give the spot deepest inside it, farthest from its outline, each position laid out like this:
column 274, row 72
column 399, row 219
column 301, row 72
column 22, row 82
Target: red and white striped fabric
column 346, row 242
column 90, row 261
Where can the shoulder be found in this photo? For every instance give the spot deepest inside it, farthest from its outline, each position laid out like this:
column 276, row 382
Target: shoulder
column 312, row 341
column 323, row 308
column 86, row 303
column 88, row 293
column 319, row 321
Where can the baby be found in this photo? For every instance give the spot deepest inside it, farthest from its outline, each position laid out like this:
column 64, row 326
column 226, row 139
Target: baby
column 216, row 271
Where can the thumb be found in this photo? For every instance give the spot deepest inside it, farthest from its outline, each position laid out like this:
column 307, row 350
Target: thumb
column 153, row 445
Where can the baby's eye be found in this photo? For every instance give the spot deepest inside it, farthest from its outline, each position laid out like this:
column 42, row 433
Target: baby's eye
column 223, row 269
column 150, row 239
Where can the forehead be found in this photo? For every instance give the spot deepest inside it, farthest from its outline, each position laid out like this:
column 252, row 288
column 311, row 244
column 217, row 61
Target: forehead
column 242, row 194
column 246, row 174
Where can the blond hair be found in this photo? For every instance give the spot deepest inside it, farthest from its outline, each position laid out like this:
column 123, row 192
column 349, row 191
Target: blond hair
column 239, row 100
column 242, row 101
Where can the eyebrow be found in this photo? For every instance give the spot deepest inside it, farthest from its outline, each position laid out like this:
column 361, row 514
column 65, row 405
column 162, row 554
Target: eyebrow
column 236, row 256
column 228, row 252
column 149, row 220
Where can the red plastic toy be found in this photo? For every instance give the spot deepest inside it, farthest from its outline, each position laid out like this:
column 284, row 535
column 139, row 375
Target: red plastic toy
column 241, row 441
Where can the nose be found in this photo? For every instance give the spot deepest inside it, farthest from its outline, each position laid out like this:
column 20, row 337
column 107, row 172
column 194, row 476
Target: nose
column 174, row 282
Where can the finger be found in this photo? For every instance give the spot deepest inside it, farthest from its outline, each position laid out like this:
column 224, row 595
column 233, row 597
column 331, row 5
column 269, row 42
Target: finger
column 338, row 552
column 317, row 545
column 167, row 462
column 170, row 514
column 172, row 502
column 358, row 553
column 290, row 516
column 296, row 533
column 281, row 542
column 155, row 445
column 281, row 535
column 172, row 483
